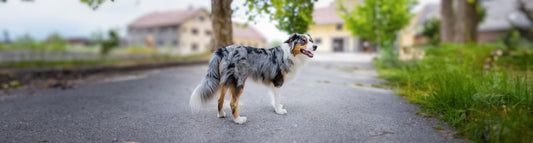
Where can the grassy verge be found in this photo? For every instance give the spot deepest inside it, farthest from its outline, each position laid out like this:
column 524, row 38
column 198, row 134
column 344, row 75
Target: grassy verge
column 486, row 100
column 73, row 63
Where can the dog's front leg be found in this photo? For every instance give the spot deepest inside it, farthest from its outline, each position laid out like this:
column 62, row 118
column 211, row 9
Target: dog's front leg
column 274, row 93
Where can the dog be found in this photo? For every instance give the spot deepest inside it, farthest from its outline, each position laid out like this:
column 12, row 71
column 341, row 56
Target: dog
column 231, row 66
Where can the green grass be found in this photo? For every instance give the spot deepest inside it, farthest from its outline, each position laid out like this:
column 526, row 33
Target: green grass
column 451, row 83
column 74, row 63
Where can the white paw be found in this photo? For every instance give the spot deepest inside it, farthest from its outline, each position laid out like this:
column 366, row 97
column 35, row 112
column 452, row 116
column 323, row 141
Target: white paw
column 281, row 111
column 221, row 114
column 240, row 120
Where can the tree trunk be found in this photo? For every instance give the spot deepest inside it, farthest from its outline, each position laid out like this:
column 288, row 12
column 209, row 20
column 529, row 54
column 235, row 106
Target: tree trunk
column 466, row 25
column 447, row 21
column 222, row 26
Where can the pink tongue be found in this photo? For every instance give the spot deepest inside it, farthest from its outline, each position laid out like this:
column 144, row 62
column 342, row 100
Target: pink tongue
column 309, row 54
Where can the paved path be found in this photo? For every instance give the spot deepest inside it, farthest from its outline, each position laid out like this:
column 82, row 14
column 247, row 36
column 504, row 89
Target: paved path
column 323, row 104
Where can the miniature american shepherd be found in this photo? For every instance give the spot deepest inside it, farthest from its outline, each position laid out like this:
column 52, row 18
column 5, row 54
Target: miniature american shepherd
column 230, row 66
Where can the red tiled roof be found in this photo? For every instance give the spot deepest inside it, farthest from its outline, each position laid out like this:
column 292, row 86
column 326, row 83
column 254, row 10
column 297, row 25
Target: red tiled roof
column 327, row 15
column 248, row 32
column 167, row 18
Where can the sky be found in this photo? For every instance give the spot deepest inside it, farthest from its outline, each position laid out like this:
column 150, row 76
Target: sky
column 71, row 18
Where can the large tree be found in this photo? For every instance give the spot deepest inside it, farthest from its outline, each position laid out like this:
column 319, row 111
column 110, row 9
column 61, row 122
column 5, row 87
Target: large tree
column 292, row 16
column 467, row 21
column 222, row 25
column 447, row 21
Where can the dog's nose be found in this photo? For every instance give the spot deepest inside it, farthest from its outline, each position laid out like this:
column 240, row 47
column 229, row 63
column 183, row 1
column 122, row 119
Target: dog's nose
column 314, row 47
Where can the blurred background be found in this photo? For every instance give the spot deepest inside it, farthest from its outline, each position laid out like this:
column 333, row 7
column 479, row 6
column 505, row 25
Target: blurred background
column 41, row 33
column 467, row 62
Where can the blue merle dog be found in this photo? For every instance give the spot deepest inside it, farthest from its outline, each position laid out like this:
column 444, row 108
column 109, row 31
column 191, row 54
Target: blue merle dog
column 230, row 66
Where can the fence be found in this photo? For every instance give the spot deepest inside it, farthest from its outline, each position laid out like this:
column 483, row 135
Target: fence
column 19, row 55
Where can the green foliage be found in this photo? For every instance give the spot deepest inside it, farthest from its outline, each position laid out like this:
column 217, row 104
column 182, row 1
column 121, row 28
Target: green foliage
column 56, row 43
column 25, row 42
column 139, row 50
column 454, row 84
column 481, row 13
column 292, row 16
column 74, row 63
column 112, row 42
column 511, row 38
column 94, row 4
column 378, row 20
column 275, row 43
column 96, row 37
column 432, row 30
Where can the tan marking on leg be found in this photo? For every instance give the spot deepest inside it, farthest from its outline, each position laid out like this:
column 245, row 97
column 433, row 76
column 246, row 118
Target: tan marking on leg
column 221, row 98
column 235, row 94
column 284, row 73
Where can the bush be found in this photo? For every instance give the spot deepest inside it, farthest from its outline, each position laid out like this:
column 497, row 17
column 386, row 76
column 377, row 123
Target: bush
column 25, row 42
column 139, row 50
column 56, row 43
column 432, row 30
column 109, row 44
column 453, row 83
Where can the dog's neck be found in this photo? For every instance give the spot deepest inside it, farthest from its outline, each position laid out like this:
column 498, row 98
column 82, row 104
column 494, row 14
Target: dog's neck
column 298, row 60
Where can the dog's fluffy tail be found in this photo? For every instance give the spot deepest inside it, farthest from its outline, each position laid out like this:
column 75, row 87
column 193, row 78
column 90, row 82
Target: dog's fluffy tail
column 209, row 85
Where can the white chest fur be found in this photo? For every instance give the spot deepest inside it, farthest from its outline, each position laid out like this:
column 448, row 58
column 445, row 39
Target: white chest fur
column 299, row 61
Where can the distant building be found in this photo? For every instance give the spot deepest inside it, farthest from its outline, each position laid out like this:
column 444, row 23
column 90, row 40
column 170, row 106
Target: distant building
column 78, row 41
column 248, row 36
column 330, row 34
column 499, row 16
column 185, row 32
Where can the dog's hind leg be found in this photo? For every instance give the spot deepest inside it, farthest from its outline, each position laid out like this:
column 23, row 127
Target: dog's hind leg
column 274, row 93
column 235, row 95
column 221, row 113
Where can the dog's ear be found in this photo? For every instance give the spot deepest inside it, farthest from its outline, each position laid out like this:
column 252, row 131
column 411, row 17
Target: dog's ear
column 291, row 38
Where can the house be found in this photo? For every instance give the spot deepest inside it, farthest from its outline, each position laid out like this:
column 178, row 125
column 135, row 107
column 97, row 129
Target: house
column 248, row 36
column 412, row 34
column 184, row 32
column 499, row 16
column 330, row 34
column 78, row 41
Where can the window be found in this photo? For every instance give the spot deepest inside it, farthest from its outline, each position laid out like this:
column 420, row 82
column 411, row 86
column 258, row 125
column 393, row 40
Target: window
column 318, row 40
column 175, row 42
column 174, row 28
column 194, row 47
column 194, row 31
column 200, row 18
column 208, row 33
column 160, row 42
column 150, row 30
column 339, row 26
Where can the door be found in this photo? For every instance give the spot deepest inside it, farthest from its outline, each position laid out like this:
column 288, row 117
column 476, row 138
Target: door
column 338, row 45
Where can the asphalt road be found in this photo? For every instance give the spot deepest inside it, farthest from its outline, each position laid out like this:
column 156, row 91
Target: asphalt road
column 324, row 104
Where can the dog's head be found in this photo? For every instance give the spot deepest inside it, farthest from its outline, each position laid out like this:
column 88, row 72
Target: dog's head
column 301, row 45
